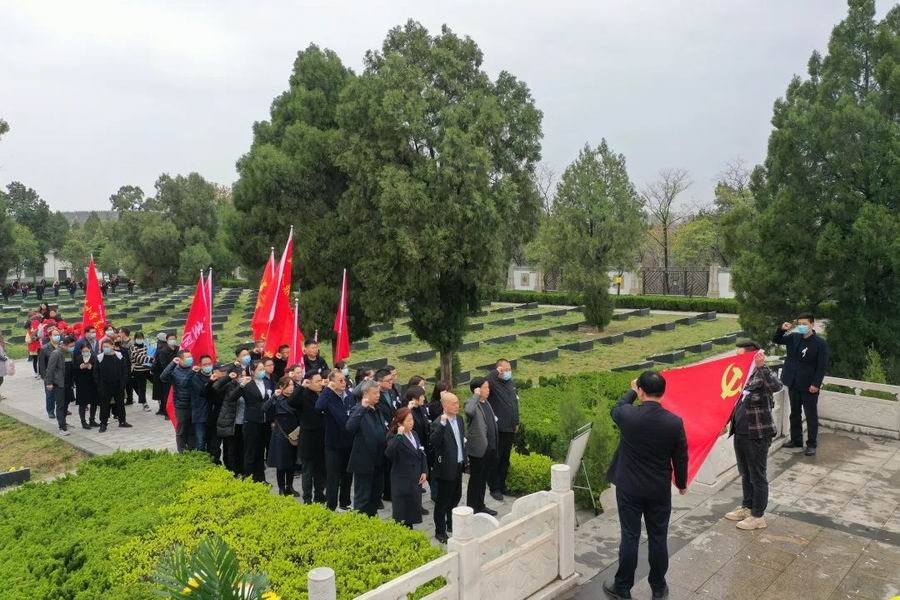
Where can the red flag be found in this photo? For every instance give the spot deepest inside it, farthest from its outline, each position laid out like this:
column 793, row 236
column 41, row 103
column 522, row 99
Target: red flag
column 94, row 312
column 197, row 336
column 341, row 334
column 704, row 396
column 296, row 357
column 282, row 324
column 264, row 300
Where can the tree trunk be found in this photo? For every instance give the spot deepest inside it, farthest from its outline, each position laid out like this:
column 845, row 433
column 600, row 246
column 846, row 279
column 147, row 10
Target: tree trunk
column 447, row 368
column 666, row 258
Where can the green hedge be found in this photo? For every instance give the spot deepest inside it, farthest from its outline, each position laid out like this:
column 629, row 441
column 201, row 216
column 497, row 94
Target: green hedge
column 682, row 303
column 528, row 473
column 100, row 533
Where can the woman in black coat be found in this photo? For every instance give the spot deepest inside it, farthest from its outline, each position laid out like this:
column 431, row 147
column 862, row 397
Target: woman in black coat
column 409, row 468
column 282, row 453
column 84, row 372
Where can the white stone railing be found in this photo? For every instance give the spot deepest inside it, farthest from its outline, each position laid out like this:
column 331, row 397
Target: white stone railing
column 862, row 414
column 529, row 553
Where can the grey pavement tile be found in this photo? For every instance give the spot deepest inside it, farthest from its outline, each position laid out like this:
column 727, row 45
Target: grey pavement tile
column 877, row 566
column 688, row 572
column 805, row 580
column 865, row 587
column 832, row 546
column 738, row 580
column 792, row 476
column 851, row 477
column 810, row 469
column 769, row 556
column 884, row 551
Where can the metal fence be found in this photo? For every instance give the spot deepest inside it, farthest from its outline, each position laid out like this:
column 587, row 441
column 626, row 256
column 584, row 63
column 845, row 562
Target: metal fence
column 676, row 281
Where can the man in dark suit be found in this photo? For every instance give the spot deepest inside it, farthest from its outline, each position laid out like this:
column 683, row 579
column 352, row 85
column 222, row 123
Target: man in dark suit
column 652, row 444
column 369, row 428
column 448, row 439
column 803, row 372
column 388, row 402
column 338, row 441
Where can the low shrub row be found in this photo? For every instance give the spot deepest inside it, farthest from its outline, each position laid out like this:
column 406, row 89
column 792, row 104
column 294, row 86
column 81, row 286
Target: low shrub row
column 528, row 473
column 682, row 303
column 101, row 533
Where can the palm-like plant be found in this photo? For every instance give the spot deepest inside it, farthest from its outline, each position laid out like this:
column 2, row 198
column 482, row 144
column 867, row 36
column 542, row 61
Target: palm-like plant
column 210, row 572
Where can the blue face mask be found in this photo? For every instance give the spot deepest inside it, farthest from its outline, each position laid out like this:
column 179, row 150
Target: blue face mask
column 70, row 349
column 107, row 350
column 55, row 338
column 507, row 375
column 802, row 329
column 260, row 375
column 246, row 360
column 207, row 370
column 345, row 371
column 188, row 362
column 91, row 335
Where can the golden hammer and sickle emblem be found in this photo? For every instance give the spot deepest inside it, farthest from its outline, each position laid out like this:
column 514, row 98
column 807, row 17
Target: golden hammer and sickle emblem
column 731, row 386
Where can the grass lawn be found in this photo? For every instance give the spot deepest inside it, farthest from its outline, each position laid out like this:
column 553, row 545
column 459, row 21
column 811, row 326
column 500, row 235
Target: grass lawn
column 46, row 455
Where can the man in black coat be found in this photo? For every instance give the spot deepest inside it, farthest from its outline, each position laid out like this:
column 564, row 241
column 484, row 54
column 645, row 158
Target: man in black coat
column 803, row 372
column 652, row 445
column 312, row 435
column 336, row 405
column 448, row 439
column 367, row 460
column 388, row 401
column 111, row 377
column 504, row 400
column 312, row 362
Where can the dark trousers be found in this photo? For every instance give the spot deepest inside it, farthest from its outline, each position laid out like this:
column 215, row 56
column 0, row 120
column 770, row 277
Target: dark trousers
column 83, row 412
column 285, row 479
column 367, row 488
column 184, row 430
column 386, row 484
column 254, row 451
column 164, row 397
column 479, row 468
column 233, row 451
column 751, row 455
column 111, row 402
column 497, row 479
column 448, row 496
column 810, row 405
column 138, row 382
column 337, row 479
column 213, row 443
column 656, row 512
column 313, row 478
column 59, row 398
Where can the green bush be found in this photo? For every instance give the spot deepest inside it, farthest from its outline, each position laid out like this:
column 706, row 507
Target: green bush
column 528, row 473
column 100, row 533
column 681, row 303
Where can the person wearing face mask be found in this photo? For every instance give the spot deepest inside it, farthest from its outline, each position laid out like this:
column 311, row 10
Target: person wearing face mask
column 312, row 436
column 86, row 386
column 343, row 368
column 55, row 380
column 180, row 374
column 44, row 354
column 111, row 379
column 280, row 362
column 803, row 373
column 255, row 392
column 282, row 454
column 89, row 340
column 124, row 346
column 336, row 406
column 201, row 386
column 230, row 421
column 140, row 369
column 165, row 354
column 504, row 400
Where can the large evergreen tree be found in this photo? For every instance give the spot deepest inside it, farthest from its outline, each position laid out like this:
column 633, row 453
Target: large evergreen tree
column 592, row 227
column 827, row 227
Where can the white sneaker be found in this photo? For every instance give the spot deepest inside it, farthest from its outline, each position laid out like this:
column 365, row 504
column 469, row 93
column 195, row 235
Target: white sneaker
column 738, row 514
column 64, row 432
column 751, row 523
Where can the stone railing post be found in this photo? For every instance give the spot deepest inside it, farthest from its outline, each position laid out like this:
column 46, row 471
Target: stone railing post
column 465, row 544
column 321, row 584
column 561, row 490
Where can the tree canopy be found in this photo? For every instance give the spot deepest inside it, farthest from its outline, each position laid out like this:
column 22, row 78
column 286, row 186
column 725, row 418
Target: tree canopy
column 825, row 233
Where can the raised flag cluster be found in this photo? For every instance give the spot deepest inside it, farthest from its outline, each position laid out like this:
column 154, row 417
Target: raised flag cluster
column 94, row 312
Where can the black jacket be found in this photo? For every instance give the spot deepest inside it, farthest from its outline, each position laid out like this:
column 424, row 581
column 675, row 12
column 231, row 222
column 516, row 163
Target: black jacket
column 407, row 465
column 443, row 443
column 86, row 384
column 504, row 399
column 806, row 360
column 111, row 374
column 254, row 412
column 369, row 440
column 337, row 412
column 652, row 444
column 312, row 423
column 315, row 366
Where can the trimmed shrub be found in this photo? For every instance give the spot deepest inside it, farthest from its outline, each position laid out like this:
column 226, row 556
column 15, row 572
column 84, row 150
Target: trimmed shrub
column 528, row 473
column 680, row 303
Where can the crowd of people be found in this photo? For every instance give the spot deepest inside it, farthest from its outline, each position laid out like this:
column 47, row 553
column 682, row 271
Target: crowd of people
column 341, row 432
column 41, row 288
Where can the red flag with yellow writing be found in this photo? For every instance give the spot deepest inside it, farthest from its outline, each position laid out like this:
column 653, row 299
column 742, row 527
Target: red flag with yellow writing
column 282, row 322
column 94, row 311
column 264, row 300
column 704, row 396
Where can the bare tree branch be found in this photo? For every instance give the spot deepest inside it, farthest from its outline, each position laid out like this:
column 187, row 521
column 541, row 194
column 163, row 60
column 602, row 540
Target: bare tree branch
column 659, row 199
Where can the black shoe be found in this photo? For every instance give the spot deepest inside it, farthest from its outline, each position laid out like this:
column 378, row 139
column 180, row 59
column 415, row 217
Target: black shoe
column 161, row 413
column 380, row 505
column 441, row 537
column 791, row 444
column 611, row 592
column 425, row 511
column 497, row 496
column 125, row 424
column 94, row 423
column 661, row 594
column 102, row 428
column 810, row 451
column 129, row 402
column 488, row 511
column 68, row 413
column 85, row 425
column 345, row 507
column 292, row 492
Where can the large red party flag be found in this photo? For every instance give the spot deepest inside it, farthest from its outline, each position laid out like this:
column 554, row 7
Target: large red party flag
column 94, row 311
column 265, row 299
column 282, row 324
column 704, row 396
column 341, row 333
column 197, row 336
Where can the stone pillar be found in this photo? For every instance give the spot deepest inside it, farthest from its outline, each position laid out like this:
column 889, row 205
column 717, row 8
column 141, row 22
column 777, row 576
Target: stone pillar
column 465, row 543
column 637, row 282
column 561, row 490
column 321, row 584
column 713, row 291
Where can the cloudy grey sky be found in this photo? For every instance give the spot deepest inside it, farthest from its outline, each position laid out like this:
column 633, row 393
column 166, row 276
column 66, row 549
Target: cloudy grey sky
column 102, row 94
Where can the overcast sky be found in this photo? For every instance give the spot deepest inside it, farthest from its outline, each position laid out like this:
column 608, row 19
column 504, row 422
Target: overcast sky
column 100, row 95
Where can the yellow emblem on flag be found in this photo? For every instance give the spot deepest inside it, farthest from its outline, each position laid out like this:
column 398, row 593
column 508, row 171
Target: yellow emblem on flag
column 731, row 385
